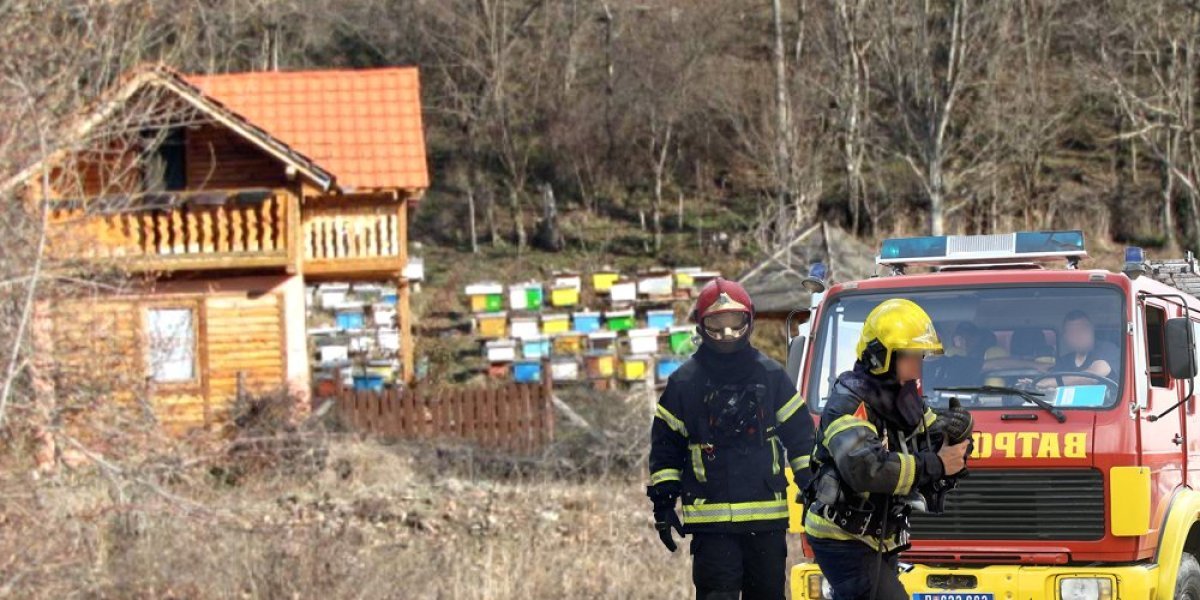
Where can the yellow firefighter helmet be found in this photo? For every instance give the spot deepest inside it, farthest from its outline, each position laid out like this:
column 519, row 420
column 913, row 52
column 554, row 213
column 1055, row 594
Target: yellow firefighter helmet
column 896, row 325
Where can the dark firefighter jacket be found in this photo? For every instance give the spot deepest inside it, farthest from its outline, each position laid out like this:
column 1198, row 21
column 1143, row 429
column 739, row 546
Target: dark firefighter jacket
column 873, row 473
column 726, row 427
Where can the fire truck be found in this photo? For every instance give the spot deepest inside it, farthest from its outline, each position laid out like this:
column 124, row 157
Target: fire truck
column 1081, row 485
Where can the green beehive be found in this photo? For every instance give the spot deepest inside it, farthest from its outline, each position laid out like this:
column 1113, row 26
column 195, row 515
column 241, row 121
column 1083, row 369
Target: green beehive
column 681, row 340
column 619, row 320
column 486, row 297
column 495, row 302
column 533, row 297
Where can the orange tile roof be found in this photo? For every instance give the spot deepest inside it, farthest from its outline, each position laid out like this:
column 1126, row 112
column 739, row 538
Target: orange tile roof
column 363, row 126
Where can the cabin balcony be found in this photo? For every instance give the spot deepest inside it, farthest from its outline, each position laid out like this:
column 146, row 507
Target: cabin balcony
column 245, row 229
column 368, row 239
column 169, row 232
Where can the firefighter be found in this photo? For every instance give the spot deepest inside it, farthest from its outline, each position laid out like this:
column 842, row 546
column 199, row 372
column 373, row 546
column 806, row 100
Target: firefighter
column 726, row 427
column 880, row 451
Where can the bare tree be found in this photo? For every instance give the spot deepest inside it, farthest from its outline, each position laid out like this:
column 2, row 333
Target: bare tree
column 1150, row 64
column 785, row 174
column 929, row 55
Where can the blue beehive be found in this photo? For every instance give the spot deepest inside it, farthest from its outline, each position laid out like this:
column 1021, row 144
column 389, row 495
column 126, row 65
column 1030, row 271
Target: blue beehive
column 667, row 365
column 586, row 322
column 369, row 382
column 660, row 319
column 535, row 347
column 527, row 371
column 349, row 318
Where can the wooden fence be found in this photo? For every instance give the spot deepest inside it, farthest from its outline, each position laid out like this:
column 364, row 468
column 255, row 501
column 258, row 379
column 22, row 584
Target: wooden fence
column 516, row 417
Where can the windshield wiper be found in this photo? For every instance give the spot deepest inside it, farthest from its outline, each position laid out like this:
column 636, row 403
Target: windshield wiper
column 1031, row 397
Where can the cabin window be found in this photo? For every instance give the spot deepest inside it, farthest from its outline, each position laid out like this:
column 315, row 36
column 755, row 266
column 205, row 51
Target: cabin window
column 1156, row 356
column 172, row 344
column 166, row 167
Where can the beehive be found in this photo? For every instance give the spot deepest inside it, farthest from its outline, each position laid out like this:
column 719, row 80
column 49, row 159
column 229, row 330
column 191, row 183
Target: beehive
column 486, row 297
column 633, row 368
column 568, row 344
column 535, row 347
column 493, row 325
column 527, row 371
column 680, row 340
column 586, row 321
column 619, row 320
column 600, row 365
column 564, row 369
column 643, row 341
column 555, row 323
column 523, row 327
column 602, row 281
column 660, row 319
column 622, row 292
column 500, row 351
column 563, row 296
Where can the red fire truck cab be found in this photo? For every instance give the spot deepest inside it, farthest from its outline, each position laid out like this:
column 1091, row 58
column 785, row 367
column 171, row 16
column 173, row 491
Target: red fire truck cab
column 1087, row 494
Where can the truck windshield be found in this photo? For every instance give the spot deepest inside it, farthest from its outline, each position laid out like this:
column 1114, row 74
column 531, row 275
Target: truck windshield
column 1065, row 342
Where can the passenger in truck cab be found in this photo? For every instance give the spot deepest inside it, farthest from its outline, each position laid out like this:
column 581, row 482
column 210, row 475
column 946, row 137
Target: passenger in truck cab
column 971, row 351
column 971, row 341
column 1030, row 344
column 1082, row 352
column 1028, row 350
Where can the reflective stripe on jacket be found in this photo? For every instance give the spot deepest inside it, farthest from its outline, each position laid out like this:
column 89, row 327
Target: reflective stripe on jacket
column 739, row 485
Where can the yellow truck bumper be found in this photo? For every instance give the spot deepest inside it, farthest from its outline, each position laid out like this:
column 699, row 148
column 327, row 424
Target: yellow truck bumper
column 1004, row 582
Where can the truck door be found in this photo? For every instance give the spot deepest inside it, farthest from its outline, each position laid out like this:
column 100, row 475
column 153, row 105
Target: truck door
column 1163, row 441
column 1190, row 422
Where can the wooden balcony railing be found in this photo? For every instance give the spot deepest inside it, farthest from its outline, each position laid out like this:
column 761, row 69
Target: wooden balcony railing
column 178, row 235
column 367, row 238
column 233, row 230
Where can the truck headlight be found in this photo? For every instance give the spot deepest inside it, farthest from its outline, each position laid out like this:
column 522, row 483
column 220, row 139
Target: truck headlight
column 1085, row 588
column 819, row 588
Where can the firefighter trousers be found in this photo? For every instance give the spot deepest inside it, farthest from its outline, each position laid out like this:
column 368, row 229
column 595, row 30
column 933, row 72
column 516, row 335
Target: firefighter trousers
column 850, row 567
column 754, row 564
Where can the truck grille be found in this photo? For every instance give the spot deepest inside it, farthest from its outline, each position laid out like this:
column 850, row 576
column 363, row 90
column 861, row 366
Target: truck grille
column 1019, row 504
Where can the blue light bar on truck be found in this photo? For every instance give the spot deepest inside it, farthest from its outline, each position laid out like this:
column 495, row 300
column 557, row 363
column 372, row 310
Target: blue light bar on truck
column 1024, row 246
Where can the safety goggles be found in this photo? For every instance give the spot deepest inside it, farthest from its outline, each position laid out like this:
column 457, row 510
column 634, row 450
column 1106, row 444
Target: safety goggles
column 726, row 326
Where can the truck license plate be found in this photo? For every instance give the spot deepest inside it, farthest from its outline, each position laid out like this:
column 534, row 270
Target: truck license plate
column 953, row 596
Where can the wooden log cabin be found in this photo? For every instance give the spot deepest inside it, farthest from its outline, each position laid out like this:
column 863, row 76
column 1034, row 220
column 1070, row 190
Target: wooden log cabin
column 224, row 196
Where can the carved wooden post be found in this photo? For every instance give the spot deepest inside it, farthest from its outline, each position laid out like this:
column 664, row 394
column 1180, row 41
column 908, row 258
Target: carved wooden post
column 269, row 224
column 207, row 243
column 222, row 229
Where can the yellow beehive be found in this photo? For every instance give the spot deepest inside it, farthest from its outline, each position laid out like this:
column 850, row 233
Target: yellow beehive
column 493, row 325
column 684, row 279
column 384, row 369
column 568, row 343
column 633, row 368
column 563, row 296
column 552, row 324
column 600, row 366
column 485, row 297
column 603, row 281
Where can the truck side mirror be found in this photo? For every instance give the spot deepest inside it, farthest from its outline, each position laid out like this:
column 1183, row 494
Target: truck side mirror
column 795, row 328
column 1181, row 348
column 795, row 358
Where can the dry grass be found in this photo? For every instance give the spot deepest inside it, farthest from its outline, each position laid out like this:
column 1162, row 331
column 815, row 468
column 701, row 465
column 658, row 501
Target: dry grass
column 374, row 522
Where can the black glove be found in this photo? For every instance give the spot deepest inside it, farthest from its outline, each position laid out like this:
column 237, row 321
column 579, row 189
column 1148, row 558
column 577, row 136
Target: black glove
column 664, row 496
column 956, row 422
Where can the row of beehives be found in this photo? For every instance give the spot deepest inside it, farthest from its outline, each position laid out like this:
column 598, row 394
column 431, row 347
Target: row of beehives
column 565, row 290
column 626, row 354
column 496, row 325
column 353, row 332
column 592, row 367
